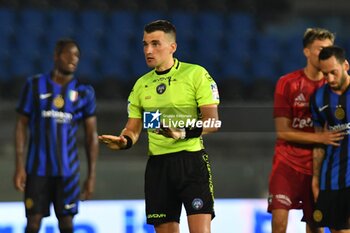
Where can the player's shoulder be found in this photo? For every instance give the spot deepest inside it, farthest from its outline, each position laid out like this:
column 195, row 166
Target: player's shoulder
column 291, row 77
column 35, row 77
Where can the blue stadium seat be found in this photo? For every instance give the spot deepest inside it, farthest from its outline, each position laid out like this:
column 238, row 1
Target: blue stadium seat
column 123, row 22
column 89, row 43
column 185, row 31
column 234, row 69
column 92, row 21
column 62, row 21
column 238, row 48
column 241, row 24
column 116, row 46
column 33, row 20
column 263, row 69
column 62, row 24
column 210, row 24
column 267, row 47
column 209, row 37
column 8, row 21
column 28, row 43
column 145, row 17
column 22, row 66
column 87, row 69
column 114, row 68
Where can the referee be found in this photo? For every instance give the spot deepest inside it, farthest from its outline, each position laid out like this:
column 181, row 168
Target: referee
column 177, row 103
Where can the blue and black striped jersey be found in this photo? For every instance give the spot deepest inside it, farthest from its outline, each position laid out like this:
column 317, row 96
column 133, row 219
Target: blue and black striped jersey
column 332, row 109
column 54, row 112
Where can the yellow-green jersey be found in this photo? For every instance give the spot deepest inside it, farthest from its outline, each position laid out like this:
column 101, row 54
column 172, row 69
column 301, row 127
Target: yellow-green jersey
column 172, row 99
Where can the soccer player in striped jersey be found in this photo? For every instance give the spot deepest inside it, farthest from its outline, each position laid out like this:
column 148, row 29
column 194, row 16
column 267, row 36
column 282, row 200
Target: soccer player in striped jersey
column 51, row 106
column 291, row 175
column 330, row 107
column 178, row 171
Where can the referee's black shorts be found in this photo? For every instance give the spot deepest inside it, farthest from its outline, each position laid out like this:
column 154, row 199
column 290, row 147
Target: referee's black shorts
column 175, row 179
column 333, row 209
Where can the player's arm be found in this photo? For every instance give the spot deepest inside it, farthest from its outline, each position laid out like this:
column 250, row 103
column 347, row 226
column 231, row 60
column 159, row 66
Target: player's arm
column 318, row 157
column 285, row 131
column 20, row 144
column 208, row 112
column 91, row 148
column 129, row 135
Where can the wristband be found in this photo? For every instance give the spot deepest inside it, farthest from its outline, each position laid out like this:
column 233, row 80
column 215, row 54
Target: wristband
column 193, row 132
column 128, row 142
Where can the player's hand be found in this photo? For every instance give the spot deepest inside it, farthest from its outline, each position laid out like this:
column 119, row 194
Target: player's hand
column 174, row 133
column 19, row 179
column 88, row 189
column 331, row 137
column 315, row 185
column 113, row 142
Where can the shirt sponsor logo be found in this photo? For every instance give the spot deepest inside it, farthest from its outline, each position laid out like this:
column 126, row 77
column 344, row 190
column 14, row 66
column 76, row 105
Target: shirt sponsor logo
column 60, row 117
column 302, row 123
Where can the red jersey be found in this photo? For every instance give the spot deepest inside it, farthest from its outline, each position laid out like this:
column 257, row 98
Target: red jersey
column 291, row 100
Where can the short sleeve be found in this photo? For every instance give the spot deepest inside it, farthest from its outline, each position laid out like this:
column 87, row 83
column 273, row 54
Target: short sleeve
column 25, row 103
column 134, row 105
column 282, row 107
column 206, row 89
column 90, row 106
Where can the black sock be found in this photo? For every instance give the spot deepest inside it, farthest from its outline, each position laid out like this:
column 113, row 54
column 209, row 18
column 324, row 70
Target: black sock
column 66, row 230
column 33, row 230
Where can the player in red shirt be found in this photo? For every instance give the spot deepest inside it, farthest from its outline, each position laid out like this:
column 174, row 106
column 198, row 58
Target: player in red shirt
column 291, row 175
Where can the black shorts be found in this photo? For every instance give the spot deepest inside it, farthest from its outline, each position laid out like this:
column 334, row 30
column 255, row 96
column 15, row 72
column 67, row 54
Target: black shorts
column 41, row 191
column 175, row 179
column 333, row 209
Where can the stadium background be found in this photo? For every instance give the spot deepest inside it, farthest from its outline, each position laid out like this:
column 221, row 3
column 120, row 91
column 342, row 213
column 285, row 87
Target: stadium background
column 245, row 44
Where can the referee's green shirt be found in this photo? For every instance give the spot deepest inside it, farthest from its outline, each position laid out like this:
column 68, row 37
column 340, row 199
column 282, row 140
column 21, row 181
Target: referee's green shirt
column 177, row 95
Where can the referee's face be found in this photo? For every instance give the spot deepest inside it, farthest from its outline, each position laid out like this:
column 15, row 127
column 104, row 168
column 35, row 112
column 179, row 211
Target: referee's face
column 159, row 48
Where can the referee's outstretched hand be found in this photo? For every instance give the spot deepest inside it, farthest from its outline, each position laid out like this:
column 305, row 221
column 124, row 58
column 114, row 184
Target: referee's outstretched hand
column 113, row 142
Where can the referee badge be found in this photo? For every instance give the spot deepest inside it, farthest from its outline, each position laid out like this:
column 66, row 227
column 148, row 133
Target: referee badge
column 317, row 215
column 339, row 113
column 161, row 88
column 58, row 101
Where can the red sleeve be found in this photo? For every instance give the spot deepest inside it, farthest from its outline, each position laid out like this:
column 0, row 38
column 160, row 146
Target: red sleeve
column 282, row 105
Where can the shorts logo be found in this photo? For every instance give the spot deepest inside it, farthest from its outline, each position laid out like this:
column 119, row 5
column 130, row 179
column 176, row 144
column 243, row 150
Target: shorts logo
column 29, row 203
column 151, row 120
column 69, row 206
column 317, row 215
column 197, row 204
column 285, row 200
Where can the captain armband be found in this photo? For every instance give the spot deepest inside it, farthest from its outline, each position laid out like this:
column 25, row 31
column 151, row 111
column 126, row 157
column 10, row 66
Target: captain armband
column 128, row 142
column 193, row 132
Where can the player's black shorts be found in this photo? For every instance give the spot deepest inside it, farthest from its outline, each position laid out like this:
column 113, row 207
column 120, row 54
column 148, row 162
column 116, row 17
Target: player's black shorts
column 175, row 179
column 41, row 191
column 333, row 209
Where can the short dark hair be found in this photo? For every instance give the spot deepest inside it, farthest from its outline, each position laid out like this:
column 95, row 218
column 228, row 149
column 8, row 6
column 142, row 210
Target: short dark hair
column 161, row 25
column 312, row 34
column 330, row 51
column 62, row 43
